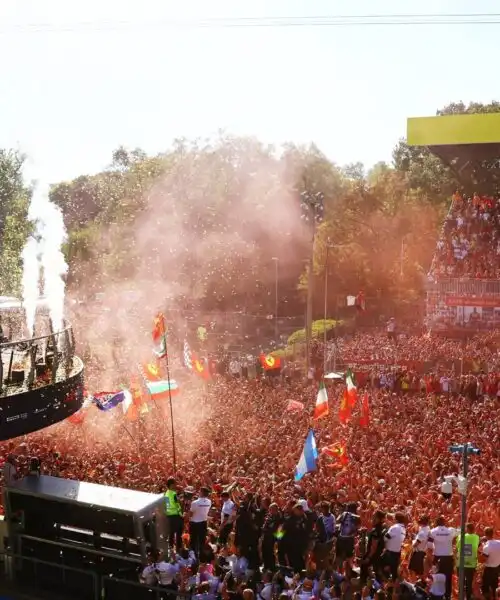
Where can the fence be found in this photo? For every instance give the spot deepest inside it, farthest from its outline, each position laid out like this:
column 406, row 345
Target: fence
column 56, row 581
column 49, row 357
column 465, row 287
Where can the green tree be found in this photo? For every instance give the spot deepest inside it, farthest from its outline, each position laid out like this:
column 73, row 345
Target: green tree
column 14, row 224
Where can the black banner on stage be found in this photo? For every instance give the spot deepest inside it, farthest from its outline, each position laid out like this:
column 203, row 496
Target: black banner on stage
column 38, row 408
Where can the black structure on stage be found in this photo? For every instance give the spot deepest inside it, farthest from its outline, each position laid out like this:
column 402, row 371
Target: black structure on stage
column 104, row 530
column 477, row 167
column 41, row 379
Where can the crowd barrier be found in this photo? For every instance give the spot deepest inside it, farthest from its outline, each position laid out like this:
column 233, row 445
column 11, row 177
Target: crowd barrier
column 55, row 581
column 458, row 367
column 465, row 286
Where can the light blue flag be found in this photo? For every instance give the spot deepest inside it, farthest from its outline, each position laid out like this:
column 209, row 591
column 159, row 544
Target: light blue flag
column 308, row 458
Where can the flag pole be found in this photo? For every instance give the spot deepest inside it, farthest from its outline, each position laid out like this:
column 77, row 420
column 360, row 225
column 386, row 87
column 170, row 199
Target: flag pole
column 169, row 395
column 131, row 436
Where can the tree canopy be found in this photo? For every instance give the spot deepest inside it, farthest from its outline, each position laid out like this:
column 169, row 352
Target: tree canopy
column 214, row 222
column 14, row 225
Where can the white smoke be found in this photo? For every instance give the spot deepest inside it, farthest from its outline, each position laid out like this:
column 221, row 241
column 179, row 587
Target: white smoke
column 50, row 235
column 31, row 275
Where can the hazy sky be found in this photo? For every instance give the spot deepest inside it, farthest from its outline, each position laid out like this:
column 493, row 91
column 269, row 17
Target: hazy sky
column 79, row 78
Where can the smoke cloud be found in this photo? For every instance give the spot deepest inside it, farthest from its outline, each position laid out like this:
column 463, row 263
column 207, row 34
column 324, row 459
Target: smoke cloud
column 198, row 234
column 31, row 274
column 44, row 252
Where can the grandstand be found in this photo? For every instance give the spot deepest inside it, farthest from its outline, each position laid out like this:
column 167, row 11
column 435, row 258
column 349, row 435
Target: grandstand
column 463, row 292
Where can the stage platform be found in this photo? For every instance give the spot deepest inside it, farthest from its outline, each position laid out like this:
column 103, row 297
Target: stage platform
column 41, row 382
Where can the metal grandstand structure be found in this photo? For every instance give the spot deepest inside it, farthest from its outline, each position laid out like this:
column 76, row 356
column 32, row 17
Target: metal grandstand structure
column 41, row 378
column 470, row 146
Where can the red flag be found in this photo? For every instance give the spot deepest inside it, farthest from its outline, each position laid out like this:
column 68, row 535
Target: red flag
column 338, row 451
column 151, row 372
column 200, row 367
column 364, row 419
column 77, row 418
column 345, row 408
column 137, row 400
column 270, row 362
column 159, row 329
column 294, row 405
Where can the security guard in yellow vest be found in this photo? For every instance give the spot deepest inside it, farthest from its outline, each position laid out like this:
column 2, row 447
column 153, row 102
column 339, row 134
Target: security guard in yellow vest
column 173, row 510
column 471, row 547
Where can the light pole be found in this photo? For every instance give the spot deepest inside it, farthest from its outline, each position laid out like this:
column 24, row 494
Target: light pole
column 312, row 212
column 276, row 261
column 328, row 246
column 464, row 450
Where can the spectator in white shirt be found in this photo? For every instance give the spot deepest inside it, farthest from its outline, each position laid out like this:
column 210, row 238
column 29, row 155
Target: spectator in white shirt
column 438, row 584
column 393, row 540
column 228, row 514
column 442, row 539
column 490, row 554
column 238, row 564
column 198, row 520
column 148, row 575
column 186, row 558
column 266, row 593
column 235, row 368
column 165, row 572
column 420, row 546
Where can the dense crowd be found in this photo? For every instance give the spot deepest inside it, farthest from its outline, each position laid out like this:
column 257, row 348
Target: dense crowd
column 470, row 242
column 239, row 434
column 378, row 346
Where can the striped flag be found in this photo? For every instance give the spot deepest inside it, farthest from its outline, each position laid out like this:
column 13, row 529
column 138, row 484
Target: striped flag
column 308, row 458
column 321, row 408
column 352, row 390
column 188, row 360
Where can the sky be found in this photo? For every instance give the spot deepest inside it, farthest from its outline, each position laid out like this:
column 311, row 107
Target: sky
column 79, row 79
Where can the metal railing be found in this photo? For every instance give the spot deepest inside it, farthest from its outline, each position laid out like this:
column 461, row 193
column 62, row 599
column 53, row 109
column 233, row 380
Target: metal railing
column 465, row 286
column 124, row 589
column 42, row 360
column 46, row 579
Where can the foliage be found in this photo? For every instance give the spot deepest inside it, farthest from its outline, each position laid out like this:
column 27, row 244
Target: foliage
column 205, row 219
column 317, row 330
column 14, row 224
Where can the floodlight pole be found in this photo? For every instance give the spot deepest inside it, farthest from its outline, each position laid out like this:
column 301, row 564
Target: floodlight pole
column 464, row 450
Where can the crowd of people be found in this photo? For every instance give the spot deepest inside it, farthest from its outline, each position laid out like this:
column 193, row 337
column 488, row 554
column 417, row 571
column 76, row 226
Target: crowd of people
column 237, row 434
column 469, row 245
column 378, row 346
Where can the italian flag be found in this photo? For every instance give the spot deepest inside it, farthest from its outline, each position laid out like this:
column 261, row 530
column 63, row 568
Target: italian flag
column 321, row 408
column 352, row 391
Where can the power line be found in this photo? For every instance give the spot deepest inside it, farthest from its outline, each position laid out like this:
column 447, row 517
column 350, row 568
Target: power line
column 272, row 22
